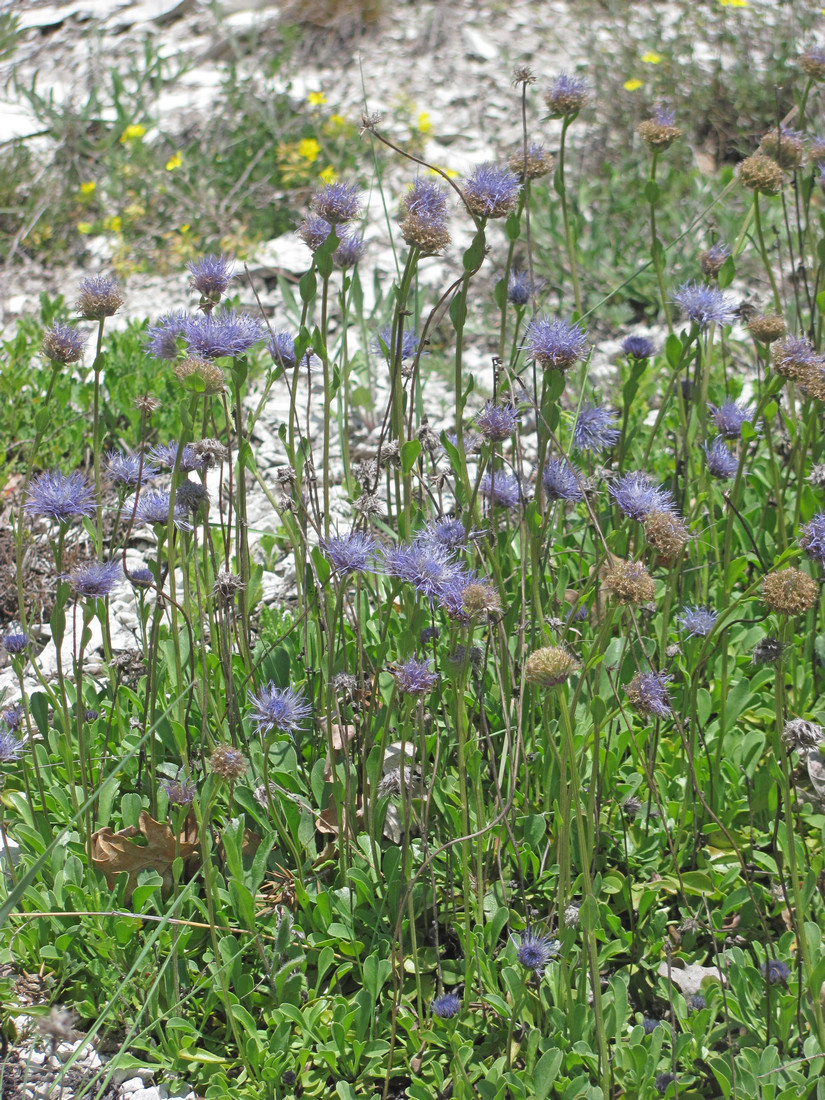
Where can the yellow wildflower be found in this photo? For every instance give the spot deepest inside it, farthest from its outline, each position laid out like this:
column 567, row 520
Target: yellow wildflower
column 87, row 188
column 651, row 57
column 174, row 162
column 84, row 228
column 734, row 3
column 328, row 174
column 337, row 120
column 316, row 98
column 135, row 210
column 184, row 228
column 309, row 149
column 113, row 224
column 133, row 132
column 633, row 84
column 424, row 124
column 450, row 173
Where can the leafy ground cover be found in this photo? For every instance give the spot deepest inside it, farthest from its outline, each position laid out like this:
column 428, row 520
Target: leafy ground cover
column 518, row 791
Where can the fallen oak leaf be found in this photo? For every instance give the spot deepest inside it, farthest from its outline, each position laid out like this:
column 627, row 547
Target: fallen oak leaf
column 116, row 853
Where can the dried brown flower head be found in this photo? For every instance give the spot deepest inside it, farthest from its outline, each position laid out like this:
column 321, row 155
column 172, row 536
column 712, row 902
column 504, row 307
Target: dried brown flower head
column 767, row 327
column 206, row 370
column 784, row 146
column 629, row 582
column 666, row 534
column 789, row 591
column 762, row 174
column 229, row 763
column 550, row 666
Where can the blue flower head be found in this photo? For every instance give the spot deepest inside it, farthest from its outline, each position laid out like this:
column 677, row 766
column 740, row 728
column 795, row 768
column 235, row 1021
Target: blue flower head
column 349, row 251
column 561, row 480
column 491, row 191
column 15, row 642
column 211, row 276
column 153, row 507
column 520, row 288
column 595, row 429
column 704, row 305
column 166, row 455
column 337, row 202
column 98, row 297
column 11, row 747
column 282, row 709
column 354, row 553
column 555, row 344
column 414, row 677
column 812, row 539
column 775, row 971
column 162, row 337
column 313, row 231
column 125, row 469
column 409, row 342
column 697, row 622
column 501, row 487
column 638, row 347
column 427, row 566
column 224, row 334
column 637, row 496
column 730, row 417
column 94, row 579
column 60, row 496
column 446, row 1006
column 722, row 464
column 425, row 216
column 567, row 96
column 648, row 693
column 497, row 422
column 446, row 532
column 282, row 349
column 536, row 949
column 63, row 343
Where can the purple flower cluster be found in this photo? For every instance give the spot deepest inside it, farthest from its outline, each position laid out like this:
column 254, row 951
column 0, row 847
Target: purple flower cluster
column 730, row 416
column 167, row 454
column 637, row 496
column 520, row 288
column 153, row 507
column 554, row 343
column 211, row 275
column 446, row 1006
column 282, row 709
column 812, row 539
column 697, row 622
column 536, row 949
column 11, row 747
column 562, row 480
column 638, row 347
column 337, row 202
column 162, row 337
column 409, row 343
column 703, row 304
column 15, row 642
column 94, row 579
column 281, row 347
column 414, row 677
column 60, row 496
column 222, row 335
column 497, row 422
column 125, row 469
column 353, row 553
column 491, row 191
column 501, row 487
column 722, row 464
column 595, row 429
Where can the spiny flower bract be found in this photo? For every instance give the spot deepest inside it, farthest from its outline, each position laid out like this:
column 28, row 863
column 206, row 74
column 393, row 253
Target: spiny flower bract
column 60, row 496
column 94, row 579
column 595, row 429
column 283, row 709
column 554, row 343
column 703, row 304
column 353, row 553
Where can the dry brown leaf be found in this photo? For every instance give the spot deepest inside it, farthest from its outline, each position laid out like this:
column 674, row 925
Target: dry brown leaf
column 114, row 853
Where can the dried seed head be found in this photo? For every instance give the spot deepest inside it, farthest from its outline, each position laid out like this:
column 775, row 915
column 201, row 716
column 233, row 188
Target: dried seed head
column 193, row 497
column 550, row 666
column 211, row 452
column 766, row 327
column 658, row 133
column 801, row 735
column 789, row 591
column 712, row 260
column 632, row 806
column 227, row 585
column 147, row 404
column 98, row 297
column 206, row 369
column 812, row 63
column 767, row 651
column 784, row 146
column 533, row 164
column 629, row 582
column 229, row 763
column 523, row 74
column 761, row 174
column 667, row 534
column 793, row 357
column 481, row 599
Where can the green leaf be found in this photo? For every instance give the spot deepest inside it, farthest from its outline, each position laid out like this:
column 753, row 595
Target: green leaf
column 409, row 454
column 458, row 311
column 322, row 566
column 748, row 431
column 545, row 1073
column 308, row 285
column 652, row 192
column 726, row 273
column 771, row 409
column 475, row 253
column 589, row 913
column 673, row 350
column 512, row 227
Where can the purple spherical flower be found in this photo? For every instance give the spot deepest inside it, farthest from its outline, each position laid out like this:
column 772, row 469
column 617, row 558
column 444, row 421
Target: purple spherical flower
column 595, row 429
column 650, row 1023
column 638, row 347
column 283, row 709
column 153, row 507
column 337, row 202
column 497, row 422
column 426, row 200
column 722, row 464
column 60, row 496
column 775, row 971
column 125, row 469
column 211, row 275
column 637, row 496
column 446, row 1006
column 12, row 717
column 11, row 747
column 142, row 577
column 554, row 343
column 812, row 539
column 15, row 642
column 354, row 553
column 94, row 579
column 451, row 593
column 647, row 691
column 414, row 677
column 704, row 304
column 567, row 96
column 216, row 335
column 98, row 297
column 180, row 792
column 350, row 250
column 409, row 343
column 561, row 480
column 520, row 288
column 166, row 455
column 162, row 337
column 446, row 532
column 536, row 949
column 427, row 566
column 697, row 622
column 491, row 191
column 730, row 417
column 501, row 487
column 281, row 347
column 313, row 231
column 63, row 343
